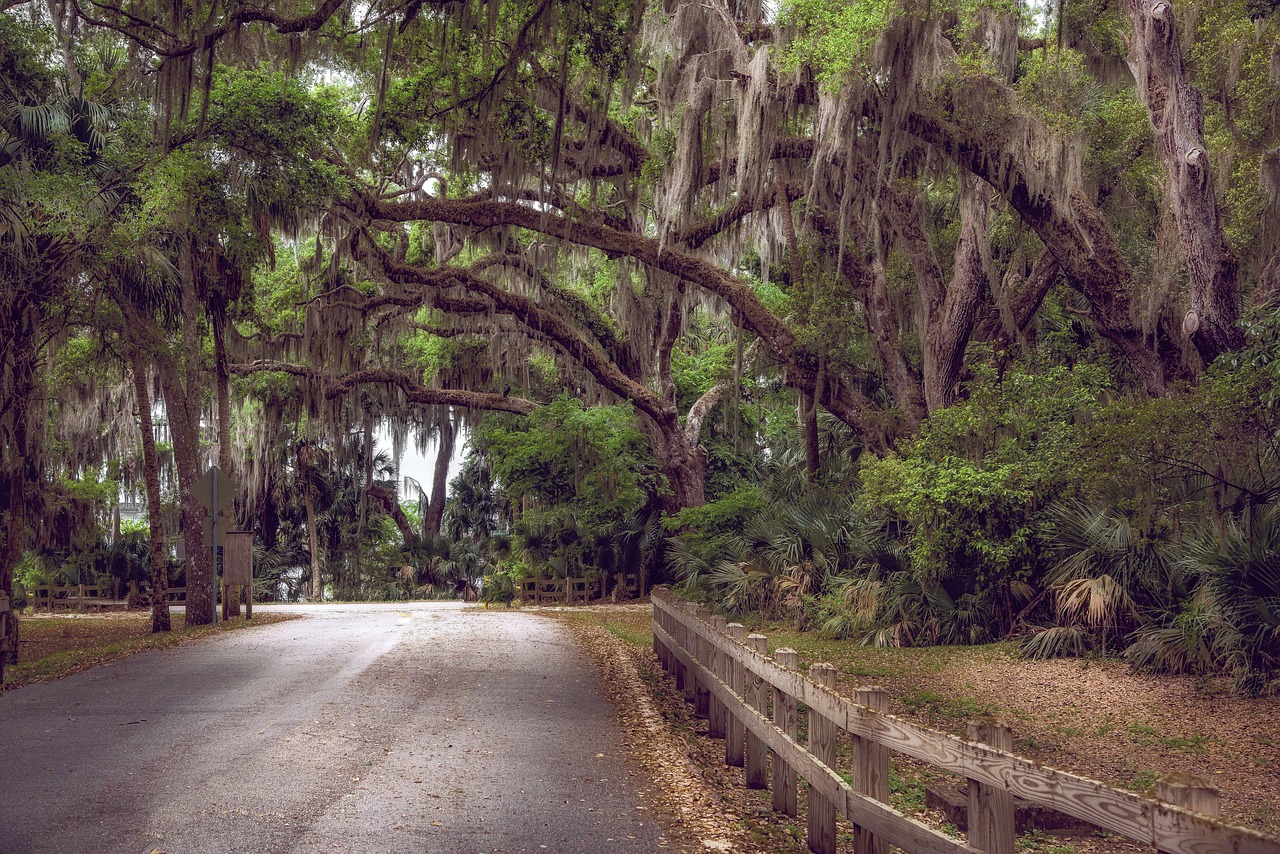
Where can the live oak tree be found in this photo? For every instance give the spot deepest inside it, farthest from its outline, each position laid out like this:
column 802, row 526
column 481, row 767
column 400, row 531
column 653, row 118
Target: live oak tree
column 511, row 181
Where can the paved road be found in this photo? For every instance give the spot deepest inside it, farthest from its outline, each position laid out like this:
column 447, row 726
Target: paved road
column 408, row 728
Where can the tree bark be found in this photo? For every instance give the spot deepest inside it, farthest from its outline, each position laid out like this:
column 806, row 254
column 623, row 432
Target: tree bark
column 389, row 503
column 1073, row 229
column 440, row 477
column 683, row 462
column 218, row 320
column 950, row 322
column 306, row 471
column 1176, row 111
column 18, row 467
column 947, row 311
column 180, row 380
column 869, row 279
column 160, row 621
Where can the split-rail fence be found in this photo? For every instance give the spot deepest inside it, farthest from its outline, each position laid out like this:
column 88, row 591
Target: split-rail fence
column 752, row 701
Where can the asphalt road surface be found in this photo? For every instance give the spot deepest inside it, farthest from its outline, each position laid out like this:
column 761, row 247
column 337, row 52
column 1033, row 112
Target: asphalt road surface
column 379, row 728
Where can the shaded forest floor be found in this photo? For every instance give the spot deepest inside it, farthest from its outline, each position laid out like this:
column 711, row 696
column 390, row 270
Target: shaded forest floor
column 1092, row 717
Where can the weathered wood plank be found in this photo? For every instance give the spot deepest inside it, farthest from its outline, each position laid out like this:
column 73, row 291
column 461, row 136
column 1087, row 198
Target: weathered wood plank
column 785, row 719
column 716, row 717
column 822, row 744
column 735, row 740
column 990, row 807
column 870, row 771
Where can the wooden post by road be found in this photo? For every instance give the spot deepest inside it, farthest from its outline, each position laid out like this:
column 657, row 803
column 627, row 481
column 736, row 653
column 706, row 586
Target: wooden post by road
column 716, row 715
column 990, row 808
column 757, row 754
column 784, row 717
column 734, row 741
column 702, row 654
column 1188, row 792
column 822, row 744
column 870, row 770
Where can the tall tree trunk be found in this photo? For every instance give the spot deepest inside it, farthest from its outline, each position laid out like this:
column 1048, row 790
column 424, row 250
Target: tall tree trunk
column 352, row 583
column 683, row 462
column 184, row 429
column 180, row 379
column 317, row 584
column 440, row 476
column 676, row 451
column 218, row 318
column 950, row 320
column 18, row 464
column 155, row 513
column 869, row 280
column 947, row 311
column 807, row 414
column 308, row 455
column 1176, row 111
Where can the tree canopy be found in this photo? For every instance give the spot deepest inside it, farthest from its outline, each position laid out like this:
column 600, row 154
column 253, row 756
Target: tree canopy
column 647, row 256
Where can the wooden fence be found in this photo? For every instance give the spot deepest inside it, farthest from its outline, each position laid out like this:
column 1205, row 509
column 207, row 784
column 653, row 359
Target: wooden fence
column 543, row 590
column 751, row 701
column 77, row 596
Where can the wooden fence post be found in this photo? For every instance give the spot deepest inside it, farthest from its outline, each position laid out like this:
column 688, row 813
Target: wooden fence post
column 702, row 654
column 1192, row 793
column 734, row 746
column 990, row 808
column 716, row 714
column 870, row 770
column 757, row 754
column 822, row 744
column 659, row 650
column 784, row 717
column 677, row 635
column 688, row 642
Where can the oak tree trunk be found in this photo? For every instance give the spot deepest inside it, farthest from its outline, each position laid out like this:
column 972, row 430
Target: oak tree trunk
column 160, row 621
column 17, row 461
column 222, row 381
column 1176, row 111
column 440, row 477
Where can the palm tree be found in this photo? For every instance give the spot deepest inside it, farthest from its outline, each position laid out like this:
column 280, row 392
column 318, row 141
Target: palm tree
column 1106, row 572
column 1241, row 576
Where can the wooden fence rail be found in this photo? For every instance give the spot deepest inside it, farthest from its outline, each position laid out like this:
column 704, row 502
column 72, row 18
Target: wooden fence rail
column 751, row 701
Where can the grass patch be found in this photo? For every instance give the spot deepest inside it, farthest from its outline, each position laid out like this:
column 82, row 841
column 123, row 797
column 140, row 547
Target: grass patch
column 1144, row 783
column 951, row 706
column 53, row 647
column 1149, row 736
column 634, row 626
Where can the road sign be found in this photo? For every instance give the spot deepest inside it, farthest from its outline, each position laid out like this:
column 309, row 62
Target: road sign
column 226, row 521
column 214, row 481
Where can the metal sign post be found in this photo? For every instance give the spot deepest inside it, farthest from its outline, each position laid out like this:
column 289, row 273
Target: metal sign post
column 213, row 539
column 216, row 492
